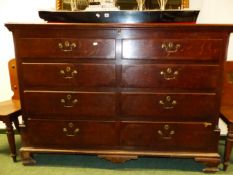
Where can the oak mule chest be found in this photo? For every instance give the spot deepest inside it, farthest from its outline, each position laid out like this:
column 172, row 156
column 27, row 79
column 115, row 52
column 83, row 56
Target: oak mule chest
column 121, row 91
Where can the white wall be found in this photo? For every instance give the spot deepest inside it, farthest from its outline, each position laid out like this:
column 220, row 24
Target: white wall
column 15, row 11
column 195, row 4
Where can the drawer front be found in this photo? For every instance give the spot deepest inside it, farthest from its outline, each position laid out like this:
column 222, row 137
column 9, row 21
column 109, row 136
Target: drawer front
column 64, row 105
column 68, row 75
column 175, row 49
column 169, row 107
column 71, row 134
column 66, row 48
column 170, row 76
column 170, row 136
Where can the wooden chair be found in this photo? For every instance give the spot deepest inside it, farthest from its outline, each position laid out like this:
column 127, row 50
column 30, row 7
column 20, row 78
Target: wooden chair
column 10, row 110
column 227, row 110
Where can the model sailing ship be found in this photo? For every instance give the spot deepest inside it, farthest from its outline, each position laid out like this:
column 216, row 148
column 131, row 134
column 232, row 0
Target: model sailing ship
column 111, row 11
column 102, row 5
column 110, row 5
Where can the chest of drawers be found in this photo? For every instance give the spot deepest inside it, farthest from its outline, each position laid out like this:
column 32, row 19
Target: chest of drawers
column 121, row 91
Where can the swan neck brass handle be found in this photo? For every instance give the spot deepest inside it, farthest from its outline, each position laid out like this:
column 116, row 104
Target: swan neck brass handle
column 69, row 102
column 169, row 74
column 168, row 103
column 70, row 131
column 68, row 73
column 166, row 132
column 170, row 47
column 67, row 46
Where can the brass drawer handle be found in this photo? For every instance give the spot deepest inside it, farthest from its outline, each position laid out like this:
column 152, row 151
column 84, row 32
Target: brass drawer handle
column 68, row 73
column 166, row 132
column 168, row 103
column 69, row 102
column 70, row 131
column 66, row 46
column 169, row 74
column 170, row 47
